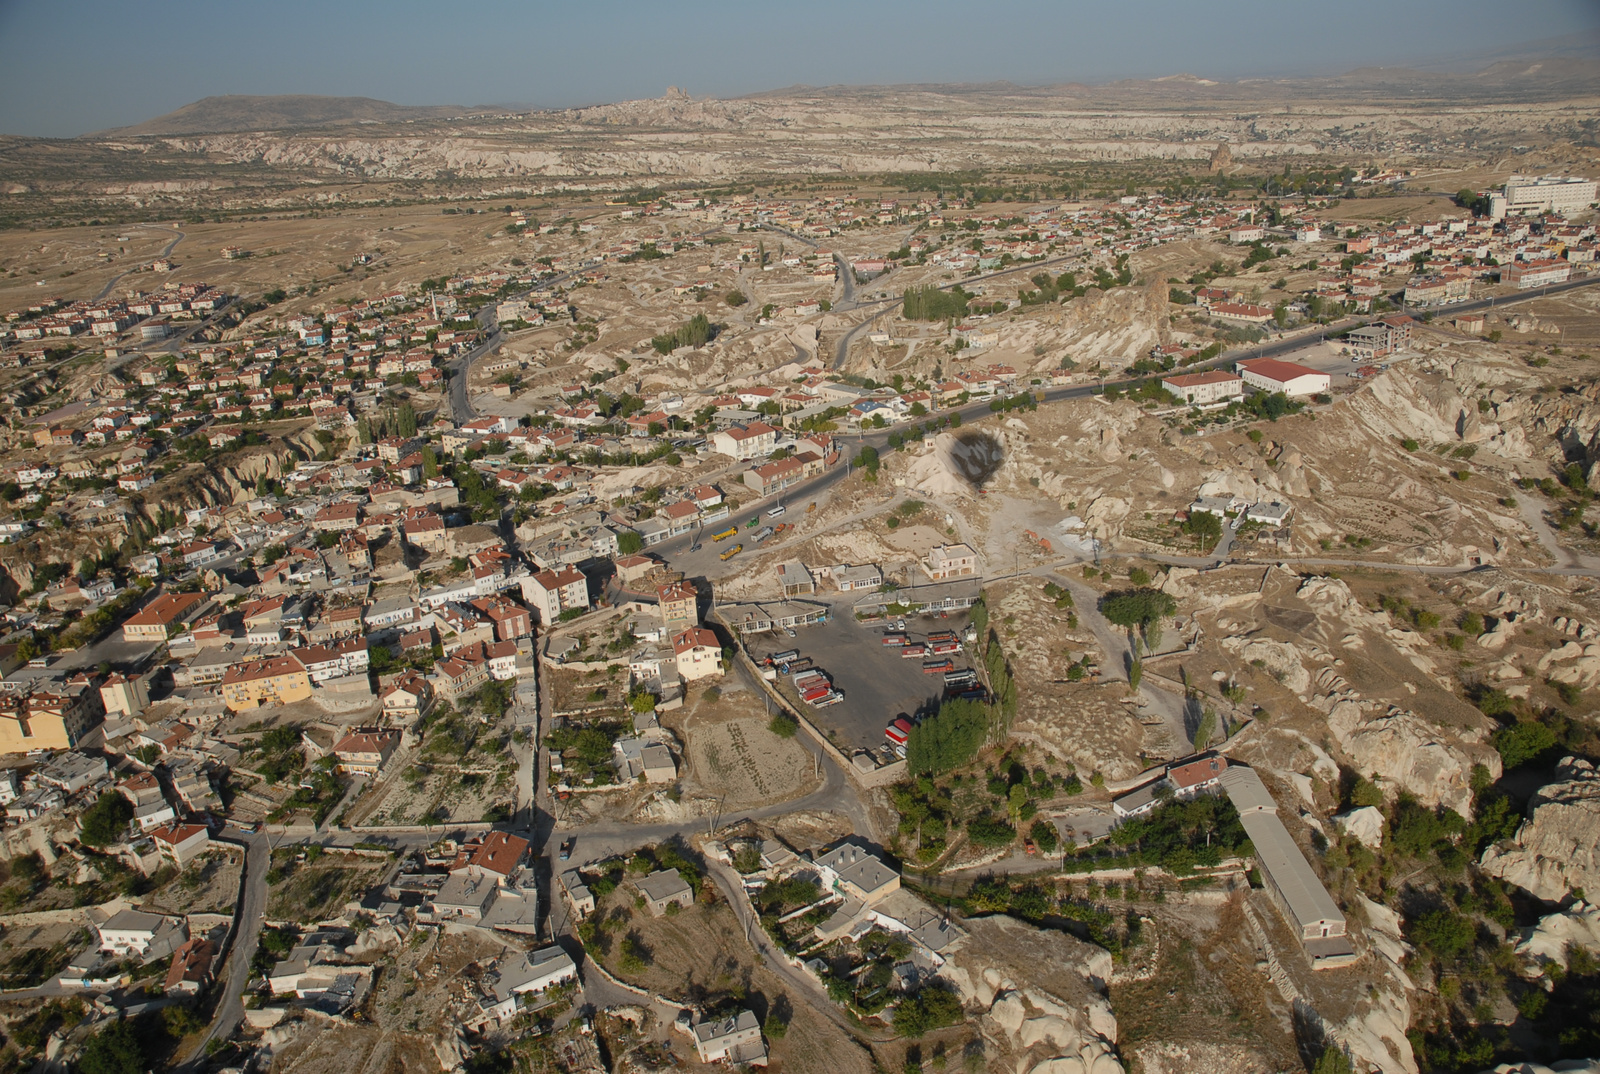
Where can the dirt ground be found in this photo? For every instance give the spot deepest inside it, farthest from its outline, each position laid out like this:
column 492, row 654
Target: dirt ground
column 207, row 885
column 731, row 754
column 31, row 954
column 1206, row 1004
column 309, row 891
column 700, row 955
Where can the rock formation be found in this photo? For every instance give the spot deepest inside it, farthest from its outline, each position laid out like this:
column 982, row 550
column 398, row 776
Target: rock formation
column 1556, row 850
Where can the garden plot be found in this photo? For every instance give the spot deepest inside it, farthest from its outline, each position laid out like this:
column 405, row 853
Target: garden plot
column 208, row 885
column 744, row 762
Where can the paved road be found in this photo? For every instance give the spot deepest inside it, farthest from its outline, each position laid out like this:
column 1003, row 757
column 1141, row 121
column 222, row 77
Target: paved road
column 166, row 251
column 230, row 1007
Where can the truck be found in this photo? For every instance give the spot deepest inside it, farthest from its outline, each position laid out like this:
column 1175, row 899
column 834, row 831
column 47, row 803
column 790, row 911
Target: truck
column 939, row 636
column 731, row 531
column 809, row 679
column 938, row 667
column 960, row 677
column 911, row 651
column 784, row 657
column 816, row 693
column 894, row 641
column 730, row 553
column 832, row 697
column 763, row 533
column 799, row 663
column 945, row 647
column 753, row 522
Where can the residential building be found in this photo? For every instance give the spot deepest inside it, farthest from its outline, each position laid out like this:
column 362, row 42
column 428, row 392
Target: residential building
column 1529, row 274
column 551, row 592
column 698, row 654
column 1214, row 386
column 636, row 758
column 132, row 934
column 527, row 975
column 163, row 616
column 1197, row 776
column 48, row 719
column 365, row 750
column 191, row 970
column 852, row 871
column 407, row 698
column 771, row 478
column 498, row 856
column 277, row 681
column 509, row 619
column 947, row 561
column 1272, row 375
column 180, row 843
column 125, row 695
column 664, row 888
column 734, row 1040
column 742, row 442
column 678, row 603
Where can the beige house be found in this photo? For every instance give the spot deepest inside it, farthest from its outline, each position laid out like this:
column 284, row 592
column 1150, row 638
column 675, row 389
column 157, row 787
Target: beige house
column 698, row 654
column 365, row 750
column 948, row 561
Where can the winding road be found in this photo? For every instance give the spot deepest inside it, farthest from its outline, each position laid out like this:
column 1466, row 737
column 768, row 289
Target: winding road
column 166, row 251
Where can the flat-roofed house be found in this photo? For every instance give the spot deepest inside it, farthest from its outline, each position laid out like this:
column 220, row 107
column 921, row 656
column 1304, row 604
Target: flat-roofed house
column 947, row 561
column 734, row 1040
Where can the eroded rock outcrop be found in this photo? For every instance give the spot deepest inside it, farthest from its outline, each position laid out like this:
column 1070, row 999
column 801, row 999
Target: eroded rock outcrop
column 1557, row 848
column 1403, row 750
column 1041, row 993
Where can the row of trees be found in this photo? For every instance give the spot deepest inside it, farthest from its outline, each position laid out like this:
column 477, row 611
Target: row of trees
column 697, row 331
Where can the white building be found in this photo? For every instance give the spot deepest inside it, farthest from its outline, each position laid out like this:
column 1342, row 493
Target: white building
column 1203, row 389
column 1271, row 375
column 1547, row 194
column 753, row 441
column 552, row 592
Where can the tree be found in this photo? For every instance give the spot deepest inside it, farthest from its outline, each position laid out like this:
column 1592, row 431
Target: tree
column 1207, row 729
column 1204, row 527
column 113, row 1050
column 1137, row 607
column 948, row 738
column 1332, row 1061
column 629, row 543
column 103, row 823
column 736, row 298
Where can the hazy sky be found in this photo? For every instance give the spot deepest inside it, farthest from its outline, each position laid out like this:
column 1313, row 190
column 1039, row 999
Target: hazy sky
column 72, row 66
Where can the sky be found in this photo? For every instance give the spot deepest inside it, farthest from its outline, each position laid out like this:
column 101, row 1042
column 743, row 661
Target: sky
column 69, row 67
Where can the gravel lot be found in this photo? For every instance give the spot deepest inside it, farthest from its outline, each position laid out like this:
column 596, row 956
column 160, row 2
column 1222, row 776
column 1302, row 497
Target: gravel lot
column 878, row 683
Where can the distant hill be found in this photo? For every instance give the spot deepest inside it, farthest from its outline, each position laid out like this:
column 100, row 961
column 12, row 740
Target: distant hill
column 236, row 113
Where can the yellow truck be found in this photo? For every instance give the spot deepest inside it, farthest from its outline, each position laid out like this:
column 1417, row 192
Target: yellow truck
column 734, row 551
column 725, row 534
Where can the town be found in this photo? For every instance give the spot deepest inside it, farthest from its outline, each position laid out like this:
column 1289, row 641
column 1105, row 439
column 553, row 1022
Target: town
column 690, row 628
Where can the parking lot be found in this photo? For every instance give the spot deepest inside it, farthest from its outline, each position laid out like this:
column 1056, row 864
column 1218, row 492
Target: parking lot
column 878, row 684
